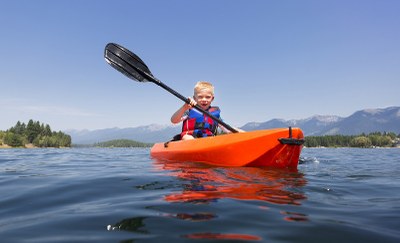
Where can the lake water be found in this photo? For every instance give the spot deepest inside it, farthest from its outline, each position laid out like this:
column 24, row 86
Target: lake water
column 121, row 195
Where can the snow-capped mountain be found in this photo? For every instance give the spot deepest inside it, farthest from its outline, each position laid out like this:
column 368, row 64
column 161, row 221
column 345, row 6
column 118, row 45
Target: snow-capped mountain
column 364, row 121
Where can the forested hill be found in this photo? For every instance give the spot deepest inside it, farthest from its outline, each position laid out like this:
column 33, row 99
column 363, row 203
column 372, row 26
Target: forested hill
column 123, row 143
column 33, row 134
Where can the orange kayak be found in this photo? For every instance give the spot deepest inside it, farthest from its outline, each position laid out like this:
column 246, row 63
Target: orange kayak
column 279, row 148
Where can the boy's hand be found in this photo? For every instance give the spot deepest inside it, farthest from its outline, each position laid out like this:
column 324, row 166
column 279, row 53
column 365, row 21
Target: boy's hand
column 191, row 104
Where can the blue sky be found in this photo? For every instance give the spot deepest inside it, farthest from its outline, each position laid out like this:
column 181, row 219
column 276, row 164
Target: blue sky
column 267, row 59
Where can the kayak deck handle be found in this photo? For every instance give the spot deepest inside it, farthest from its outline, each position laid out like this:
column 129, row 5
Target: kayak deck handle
column 290, row 140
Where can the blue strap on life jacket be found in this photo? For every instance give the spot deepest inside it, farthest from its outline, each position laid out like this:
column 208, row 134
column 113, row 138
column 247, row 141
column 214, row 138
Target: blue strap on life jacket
column 200, row 125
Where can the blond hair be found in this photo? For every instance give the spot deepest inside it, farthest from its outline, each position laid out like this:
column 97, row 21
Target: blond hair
column 203, row 85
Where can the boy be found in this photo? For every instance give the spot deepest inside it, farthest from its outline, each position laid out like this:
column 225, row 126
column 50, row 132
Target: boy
column 195, row 123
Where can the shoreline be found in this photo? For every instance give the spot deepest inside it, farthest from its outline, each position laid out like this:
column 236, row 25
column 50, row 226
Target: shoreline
column 31, row 146
column 28, row 145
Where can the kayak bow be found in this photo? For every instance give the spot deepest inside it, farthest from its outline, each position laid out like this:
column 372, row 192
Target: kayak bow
column 279, row 148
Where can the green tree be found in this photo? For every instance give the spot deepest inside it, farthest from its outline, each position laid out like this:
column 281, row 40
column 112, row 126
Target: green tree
column 31, row 131
column 392, row 135
column 14, row 140
column 46, row 130
column 19, row 128
column 125, row 143
column 37, row 133
column 2, row 137
column 361, row 142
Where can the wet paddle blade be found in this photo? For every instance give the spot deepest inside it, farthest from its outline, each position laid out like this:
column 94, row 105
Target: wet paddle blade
column 127, row 63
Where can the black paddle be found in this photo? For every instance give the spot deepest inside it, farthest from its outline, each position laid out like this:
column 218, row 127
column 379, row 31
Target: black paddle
column 134, row 68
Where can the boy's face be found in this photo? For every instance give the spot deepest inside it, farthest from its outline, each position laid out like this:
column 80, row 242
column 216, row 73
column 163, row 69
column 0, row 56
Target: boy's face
column 204, row 97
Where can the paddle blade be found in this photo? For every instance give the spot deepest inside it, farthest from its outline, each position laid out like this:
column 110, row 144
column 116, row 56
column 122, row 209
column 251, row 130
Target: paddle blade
column 127, row 63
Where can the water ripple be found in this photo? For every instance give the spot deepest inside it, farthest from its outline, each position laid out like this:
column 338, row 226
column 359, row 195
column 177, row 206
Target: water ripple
column 112, row 195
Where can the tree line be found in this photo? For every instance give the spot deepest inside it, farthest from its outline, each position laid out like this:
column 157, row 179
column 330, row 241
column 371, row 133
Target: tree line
column 375, row 139
column 123, row 143
column 36, row 133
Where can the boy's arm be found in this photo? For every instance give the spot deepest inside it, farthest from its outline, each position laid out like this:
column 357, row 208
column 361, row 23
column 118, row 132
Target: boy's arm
column 177, row 116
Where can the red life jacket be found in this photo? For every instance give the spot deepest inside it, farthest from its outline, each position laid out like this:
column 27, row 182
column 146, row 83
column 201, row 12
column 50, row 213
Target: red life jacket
column 199, row 125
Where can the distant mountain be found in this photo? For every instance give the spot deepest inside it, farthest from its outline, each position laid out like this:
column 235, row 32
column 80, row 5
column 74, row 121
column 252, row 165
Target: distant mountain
column 367, row 121
column 311, row 126
column 147, row 134
column 364, row 121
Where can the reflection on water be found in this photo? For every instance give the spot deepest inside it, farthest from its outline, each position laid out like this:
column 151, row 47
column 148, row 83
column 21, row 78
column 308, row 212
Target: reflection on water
column 195, row 217
column 293, row 216
column 220, row 236
column 204, row 184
